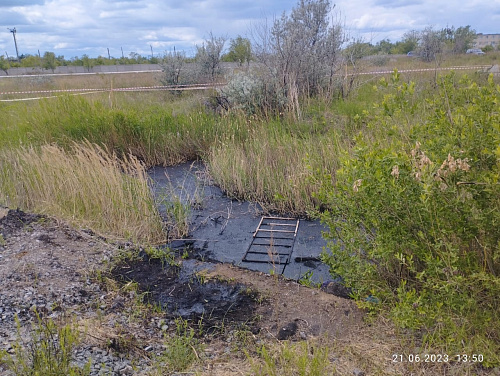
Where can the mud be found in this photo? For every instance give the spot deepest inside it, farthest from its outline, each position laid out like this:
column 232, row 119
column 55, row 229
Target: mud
column 181, row 291
column 222, row 228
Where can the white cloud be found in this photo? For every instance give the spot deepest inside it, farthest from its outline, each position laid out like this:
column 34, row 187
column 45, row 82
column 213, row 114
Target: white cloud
column 73, row 27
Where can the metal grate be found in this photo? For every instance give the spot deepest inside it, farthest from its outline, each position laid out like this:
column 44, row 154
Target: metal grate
column 273, row 241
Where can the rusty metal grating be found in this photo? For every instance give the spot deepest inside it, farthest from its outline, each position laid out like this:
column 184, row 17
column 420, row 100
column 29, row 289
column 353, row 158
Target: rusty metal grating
column 273, row 241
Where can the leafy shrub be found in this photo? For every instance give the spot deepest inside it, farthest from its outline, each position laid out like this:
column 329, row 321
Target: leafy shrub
column 417, row 218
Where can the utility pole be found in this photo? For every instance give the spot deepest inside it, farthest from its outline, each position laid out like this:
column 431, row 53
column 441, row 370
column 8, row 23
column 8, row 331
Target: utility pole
column 109, row 56
column 151, row 50
column 13, row 31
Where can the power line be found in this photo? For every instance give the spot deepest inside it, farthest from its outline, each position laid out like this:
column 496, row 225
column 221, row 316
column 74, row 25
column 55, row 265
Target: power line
column 13, row 31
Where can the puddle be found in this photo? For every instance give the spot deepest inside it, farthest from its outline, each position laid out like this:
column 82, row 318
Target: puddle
column 181, row 291
column 222, row 229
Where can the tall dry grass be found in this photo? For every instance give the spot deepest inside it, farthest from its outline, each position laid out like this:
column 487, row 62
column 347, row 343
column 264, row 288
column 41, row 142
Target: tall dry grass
column 86, row 185
column 274, row 169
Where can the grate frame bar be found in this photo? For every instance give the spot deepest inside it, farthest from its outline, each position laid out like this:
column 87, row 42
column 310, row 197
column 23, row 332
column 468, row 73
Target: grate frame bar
column 278, row 250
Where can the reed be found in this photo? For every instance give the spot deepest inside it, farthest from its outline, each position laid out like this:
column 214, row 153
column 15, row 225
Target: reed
column 86, row 185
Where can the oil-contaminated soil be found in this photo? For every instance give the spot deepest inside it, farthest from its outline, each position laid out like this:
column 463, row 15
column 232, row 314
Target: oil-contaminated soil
column 63, row 273
column 125, row 303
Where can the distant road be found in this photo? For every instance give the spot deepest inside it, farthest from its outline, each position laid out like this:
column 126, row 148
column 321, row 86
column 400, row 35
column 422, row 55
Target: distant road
column 78, row 70
column 98, row 69
column 74, row 74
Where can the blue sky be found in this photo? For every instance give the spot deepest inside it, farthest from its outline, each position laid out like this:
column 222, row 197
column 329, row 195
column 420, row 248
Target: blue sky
column 76, row 27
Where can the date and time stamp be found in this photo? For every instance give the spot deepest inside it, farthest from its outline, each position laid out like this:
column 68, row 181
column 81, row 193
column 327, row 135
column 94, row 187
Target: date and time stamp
column 437, row 358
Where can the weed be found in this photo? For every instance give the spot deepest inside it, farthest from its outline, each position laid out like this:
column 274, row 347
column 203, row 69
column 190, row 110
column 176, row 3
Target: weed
column 415, row 219
column 181, row 350
column 304, row 358
column 130, row 286
column 307, row 280
column 99, row 190
column 156, row 307
column 165, row 255
column 242, row 338
column 201, row 278
column 48, row 352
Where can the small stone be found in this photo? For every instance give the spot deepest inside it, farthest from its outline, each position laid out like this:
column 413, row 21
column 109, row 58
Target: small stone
column 303, row 335
column 287, row 331
column 118, row 367
column 358, row 372
column 161, row 322
column 127, row 370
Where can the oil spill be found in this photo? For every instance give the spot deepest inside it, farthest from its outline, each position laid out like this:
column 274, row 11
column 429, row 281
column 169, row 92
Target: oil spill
column 181, row 291
column 221, row 228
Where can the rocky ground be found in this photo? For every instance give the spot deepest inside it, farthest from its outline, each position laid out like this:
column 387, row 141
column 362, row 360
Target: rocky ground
column 125, row 303
column 46, row 268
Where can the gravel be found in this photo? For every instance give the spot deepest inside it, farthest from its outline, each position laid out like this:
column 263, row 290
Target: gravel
column 46, row 270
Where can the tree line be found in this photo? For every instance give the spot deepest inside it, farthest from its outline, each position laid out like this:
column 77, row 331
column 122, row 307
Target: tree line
column 425, row 44
column 50, row 61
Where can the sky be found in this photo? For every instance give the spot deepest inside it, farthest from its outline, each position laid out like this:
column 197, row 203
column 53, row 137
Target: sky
column 76, row 27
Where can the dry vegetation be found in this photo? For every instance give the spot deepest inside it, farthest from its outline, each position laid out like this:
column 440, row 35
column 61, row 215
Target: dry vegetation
column 86, row 185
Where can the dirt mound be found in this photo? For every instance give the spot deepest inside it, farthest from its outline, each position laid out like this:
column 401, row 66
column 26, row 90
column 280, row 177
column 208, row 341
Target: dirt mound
column 15, row 220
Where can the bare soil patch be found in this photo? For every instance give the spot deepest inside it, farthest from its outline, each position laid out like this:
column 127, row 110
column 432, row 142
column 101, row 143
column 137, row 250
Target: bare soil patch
column 314, row 312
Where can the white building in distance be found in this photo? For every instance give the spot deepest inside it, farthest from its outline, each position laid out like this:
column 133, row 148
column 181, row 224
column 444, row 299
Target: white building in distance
column 483, row 40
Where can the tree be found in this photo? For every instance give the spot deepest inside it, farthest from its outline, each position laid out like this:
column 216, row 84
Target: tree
column 303, row 48
column 240, row 51
column 88, row 63
column 298, row 55
column 33, row 61
column 384, row 46
column 174, row 69
column 463, row 39
column 431, row 44
column 61, row 61
column 358, row 49
column 409, row 42
column 4, row 65
column 136, row 58
column 208, row 57
column 49, row 61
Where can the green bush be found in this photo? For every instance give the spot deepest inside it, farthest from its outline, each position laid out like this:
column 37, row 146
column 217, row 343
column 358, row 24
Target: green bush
column 416, row 217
